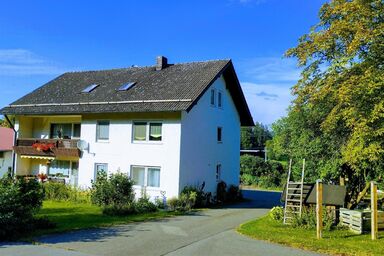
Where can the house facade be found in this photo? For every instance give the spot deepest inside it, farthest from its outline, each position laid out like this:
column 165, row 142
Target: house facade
column 6, row 143
column 167, row 126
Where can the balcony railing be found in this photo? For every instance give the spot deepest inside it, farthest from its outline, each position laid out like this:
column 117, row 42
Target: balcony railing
column 47, row 147
column 59, row 143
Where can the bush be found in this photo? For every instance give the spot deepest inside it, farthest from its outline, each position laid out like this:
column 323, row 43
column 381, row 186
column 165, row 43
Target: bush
column 277, row 213
column 20, row 199
column 62, row 192
column 184, row 203
column 202, row 198
column 234, row 194
column 117, row 190
column 143, row 205
column 255, row 171
column 307, row 220
column 248, row 179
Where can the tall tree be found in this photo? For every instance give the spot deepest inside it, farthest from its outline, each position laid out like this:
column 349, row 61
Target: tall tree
column 339, row 104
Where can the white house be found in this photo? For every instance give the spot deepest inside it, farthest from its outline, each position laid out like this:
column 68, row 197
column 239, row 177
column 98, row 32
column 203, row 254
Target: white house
column 6, row 143
column 167, row 126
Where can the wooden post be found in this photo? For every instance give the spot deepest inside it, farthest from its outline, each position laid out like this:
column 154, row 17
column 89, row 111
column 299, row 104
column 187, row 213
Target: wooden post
column 319, row 208
column 374, row 227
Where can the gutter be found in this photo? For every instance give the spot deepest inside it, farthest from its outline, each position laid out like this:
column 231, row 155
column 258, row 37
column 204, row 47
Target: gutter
column 13, row 173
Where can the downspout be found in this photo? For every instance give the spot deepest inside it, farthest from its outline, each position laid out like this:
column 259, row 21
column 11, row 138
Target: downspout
column 14, row 144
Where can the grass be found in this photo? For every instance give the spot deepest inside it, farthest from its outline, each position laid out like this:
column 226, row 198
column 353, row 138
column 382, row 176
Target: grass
column 73, row 216
column 338, row 242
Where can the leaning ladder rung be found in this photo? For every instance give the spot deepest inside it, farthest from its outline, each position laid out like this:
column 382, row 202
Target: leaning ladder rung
column 294, row 194
column 294, row 200
column 294, row 183
column 295, row 206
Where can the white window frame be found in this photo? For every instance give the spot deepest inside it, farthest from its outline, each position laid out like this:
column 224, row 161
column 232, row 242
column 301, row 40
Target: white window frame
column 221, row 134
column 147, row 129
column 64, row 176
column 218, row 172
column 220, row 99
column 145, row 176
column 214, row 97
column 72, row 128
column 95, row 169
column 97, row 132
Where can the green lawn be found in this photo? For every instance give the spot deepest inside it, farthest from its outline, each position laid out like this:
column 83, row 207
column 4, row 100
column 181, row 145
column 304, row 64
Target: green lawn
column 72, row 216
column 339, row 242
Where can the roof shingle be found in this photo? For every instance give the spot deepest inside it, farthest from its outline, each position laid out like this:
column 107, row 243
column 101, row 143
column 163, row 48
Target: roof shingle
column 174, row 88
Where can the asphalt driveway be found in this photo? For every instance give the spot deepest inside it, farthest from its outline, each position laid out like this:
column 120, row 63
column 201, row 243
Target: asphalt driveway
column 209, row 232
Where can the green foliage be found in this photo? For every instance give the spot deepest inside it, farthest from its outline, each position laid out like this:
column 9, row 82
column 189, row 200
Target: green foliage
column 184, row 203
column 63, row 192
column 255, row 136
column 336, row 120
column 19, row 200
column 117, row 190
column 277, row 213
column 255, row 171
column 307, row 220
column 198, row 192
column 334, row 242
column 119, row 210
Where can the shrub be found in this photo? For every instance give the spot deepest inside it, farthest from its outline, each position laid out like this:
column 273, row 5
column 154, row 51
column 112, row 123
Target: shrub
column 19, row 200
column 184, row 203
column 255, row 171
column 144, row 205
column 62, row 192
column 202, row 198
column 234, row 194
column 277, row 213
column 307, row 220
column 248, row 179
column 115, row 191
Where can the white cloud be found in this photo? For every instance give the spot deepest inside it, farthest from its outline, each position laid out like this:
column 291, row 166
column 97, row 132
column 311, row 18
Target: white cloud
column 267, row 86
column 20, row 62
column 263, row 108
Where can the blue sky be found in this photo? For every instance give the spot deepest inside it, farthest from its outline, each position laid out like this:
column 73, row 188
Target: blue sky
column 42, row 39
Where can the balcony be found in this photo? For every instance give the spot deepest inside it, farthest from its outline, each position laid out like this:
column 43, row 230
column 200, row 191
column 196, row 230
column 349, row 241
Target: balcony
column 47, row 148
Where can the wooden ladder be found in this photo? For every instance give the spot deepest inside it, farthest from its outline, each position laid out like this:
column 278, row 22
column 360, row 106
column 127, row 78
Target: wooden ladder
column 293, row 196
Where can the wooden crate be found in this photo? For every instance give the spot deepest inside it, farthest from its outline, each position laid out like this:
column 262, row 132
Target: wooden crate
column 359, row 221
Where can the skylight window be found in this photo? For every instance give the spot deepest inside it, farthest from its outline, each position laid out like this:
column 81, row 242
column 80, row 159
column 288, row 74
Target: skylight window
column 90, row 88
column 126, row 86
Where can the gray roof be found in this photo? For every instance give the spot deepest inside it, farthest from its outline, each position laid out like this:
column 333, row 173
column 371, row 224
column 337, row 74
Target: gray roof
column 177, row 87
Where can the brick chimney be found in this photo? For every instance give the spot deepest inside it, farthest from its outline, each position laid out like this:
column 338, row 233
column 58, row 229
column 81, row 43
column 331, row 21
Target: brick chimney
column 161, row 62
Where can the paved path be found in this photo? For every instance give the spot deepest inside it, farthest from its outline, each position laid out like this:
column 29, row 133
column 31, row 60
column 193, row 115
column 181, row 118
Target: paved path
column 210, row 232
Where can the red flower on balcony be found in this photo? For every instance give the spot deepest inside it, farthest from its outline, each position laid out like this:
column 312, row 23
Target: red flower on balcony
column 42, row 177
column 43, row 146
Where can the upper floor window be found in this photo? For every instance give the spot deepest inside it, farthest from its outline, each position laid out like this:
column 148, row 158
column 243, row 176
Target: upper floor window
column 220, row 99
column 147, row 131
column 65, row 131
column 102, row 131
column 213, row 96
column 219, row 134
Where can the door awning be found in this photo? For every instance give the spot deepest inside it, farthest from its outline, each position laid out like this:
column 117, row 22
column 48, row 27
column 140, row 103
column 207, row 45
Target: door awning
column 38, row 157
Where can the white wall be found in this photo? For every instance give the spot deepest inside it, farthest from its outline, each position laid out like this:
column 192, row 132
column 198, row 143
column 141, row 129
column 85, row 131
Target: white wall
column 200, row 151
column 120, row 153
column 5, row 162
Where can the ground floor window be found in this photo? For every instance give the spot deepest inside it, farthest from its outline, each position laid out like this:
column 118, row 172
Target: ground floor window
column 100, row 167
column 218, row 172
column 146, row 176
column 59, row 168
